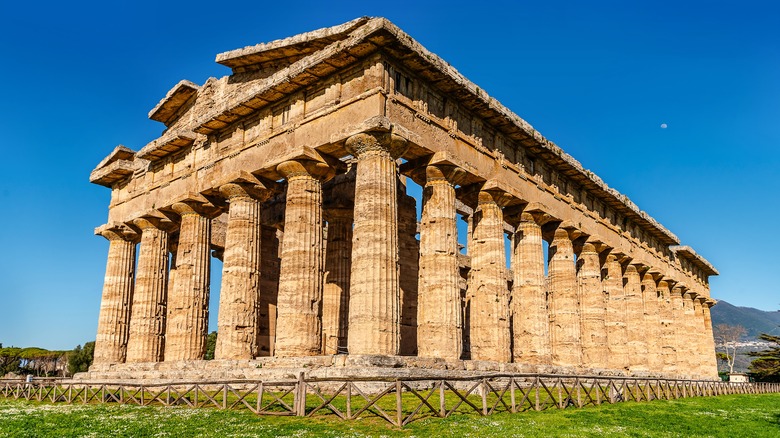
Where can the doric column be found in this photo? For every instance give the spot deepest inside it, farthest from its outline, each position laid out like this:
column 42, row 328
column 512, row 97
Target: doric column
column 668, row 329
column 335, row 301
column 115, row 305
column 593, row 308
column 566, row 347
column 652, row 324
column 299, row 328
column 487, row 288
column 690, row 334
column 269, row 284
column 698, row 339
column 409, row 271
column 617, row 337
column 188, row 301
column 237, row 321
column 681, row 365
column 148, row 316
column 635, row 321
column 440, row 326
column 710, row 359
column 530, row 320
column 374, row 304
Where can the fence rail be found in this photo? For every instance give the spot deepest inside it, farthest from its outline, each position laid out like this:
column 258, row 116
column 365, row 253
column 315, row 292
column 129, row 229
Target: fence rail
column 398, row 401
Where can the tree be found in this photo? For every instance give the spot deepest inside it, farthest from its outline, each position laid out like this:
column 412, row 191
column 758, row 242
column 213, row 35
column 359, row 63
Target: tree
column 79, row 359
column 766, row 366
column 727, row 338
column 211, row 345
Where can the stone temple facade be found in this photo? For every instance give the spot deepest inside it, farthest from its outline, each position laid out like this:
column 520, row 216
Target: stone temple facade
column 293, row 170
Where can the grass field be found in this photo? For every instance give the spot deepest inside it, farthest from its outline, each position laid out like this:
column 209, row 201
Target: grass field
column 724, row 416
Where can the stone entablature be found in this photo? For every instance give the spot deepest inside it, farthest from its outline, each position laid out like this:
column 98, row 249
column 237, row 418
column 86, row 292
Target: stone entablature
column 326, row 97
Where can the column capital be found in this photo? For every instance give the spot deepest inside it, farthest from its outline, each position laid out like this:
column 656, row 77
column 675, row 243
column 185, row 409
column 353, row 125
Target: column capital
column 117, row 231
column 376, row 141
column 293, row 169
column 189, row 206
column 243, row 190
column 710, row 302
column 442, row 173
column 702, row 299
column 153, row 220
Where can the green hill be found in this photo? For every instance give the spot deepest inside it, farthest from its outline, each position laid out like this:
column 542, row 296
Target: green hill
column 755, row 321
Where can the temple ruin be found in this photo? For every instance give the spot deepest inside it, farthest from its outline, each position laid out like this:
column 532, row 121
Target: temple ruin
column 294, row 169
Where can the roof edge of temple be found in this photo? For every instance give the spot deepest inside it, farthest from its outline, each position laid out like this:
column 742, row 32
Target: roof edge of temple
column 117, row 165
column 688, row 252
column 301, row 44
column 165, row 110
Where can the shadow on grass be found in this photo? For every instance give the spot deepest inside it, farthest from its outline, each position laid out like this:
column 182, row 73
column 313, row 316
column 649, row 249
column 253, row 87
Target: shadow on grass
column 776, row 421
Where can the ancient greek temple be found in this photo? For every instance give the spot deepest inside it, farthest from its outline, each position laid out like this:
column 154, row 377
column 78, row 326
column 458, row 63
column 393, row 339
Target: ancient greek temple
column 295, row 170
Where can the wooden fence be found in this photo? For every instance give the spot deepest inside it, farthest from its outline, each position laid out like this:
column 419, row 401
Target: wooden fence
column 398, row 401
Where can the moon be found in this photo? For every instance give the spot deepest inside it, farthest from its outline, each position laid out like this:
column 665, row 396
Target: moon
column 664, row 125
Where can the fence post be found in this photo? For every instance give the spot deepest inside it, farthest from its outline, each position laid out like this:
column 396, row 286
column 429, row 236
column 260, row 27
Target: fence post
column 442, row 404
column 300, row 396
column 399, row 414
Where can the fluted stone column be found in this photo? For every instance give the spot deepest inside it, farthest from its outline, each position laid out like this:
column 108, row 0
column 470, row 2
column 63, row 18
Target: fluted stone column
column 440, row 325
column 593, row 308
column 237, row 321
column 652, row 323
column 566, row 347
column 668, row 329
column 698, row 339
column 299, row 306
column 635, row 321
column 617, row 336
column 682, row 364
column 409, row 271
column 146, row 342
column 690, row 336
column 269, row 285
column 374, row 305
column 530, row 319
column 487, row 288
column 188, row 301
column 335, row 302
column 712, row 362
column 116, row 303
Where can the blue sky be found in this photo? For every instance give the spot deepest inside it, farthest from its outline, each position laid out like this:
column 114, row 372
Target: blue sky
column 598, row 78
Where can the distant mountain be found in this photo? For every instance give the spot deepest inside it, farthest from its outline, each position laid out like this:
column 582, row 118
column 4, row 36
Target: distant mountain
column 755, row 321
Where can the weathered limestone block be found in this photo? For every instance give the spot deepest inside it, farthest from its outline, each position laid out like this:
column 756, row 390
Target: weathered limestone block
column 566, row 347
column 299, row 305
column 635, row 321
column 668, row 329
column 409, row 271
column 593, row 308
column 616, row 315
column 239, row 295
column 188, row 301
column 374, row 303
column 530, row 320
column 115, row 305
column 335, row 301
column 146, row 342
column 487, row 289
column 440, row 328
column 652, row 323
column 269, row 285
